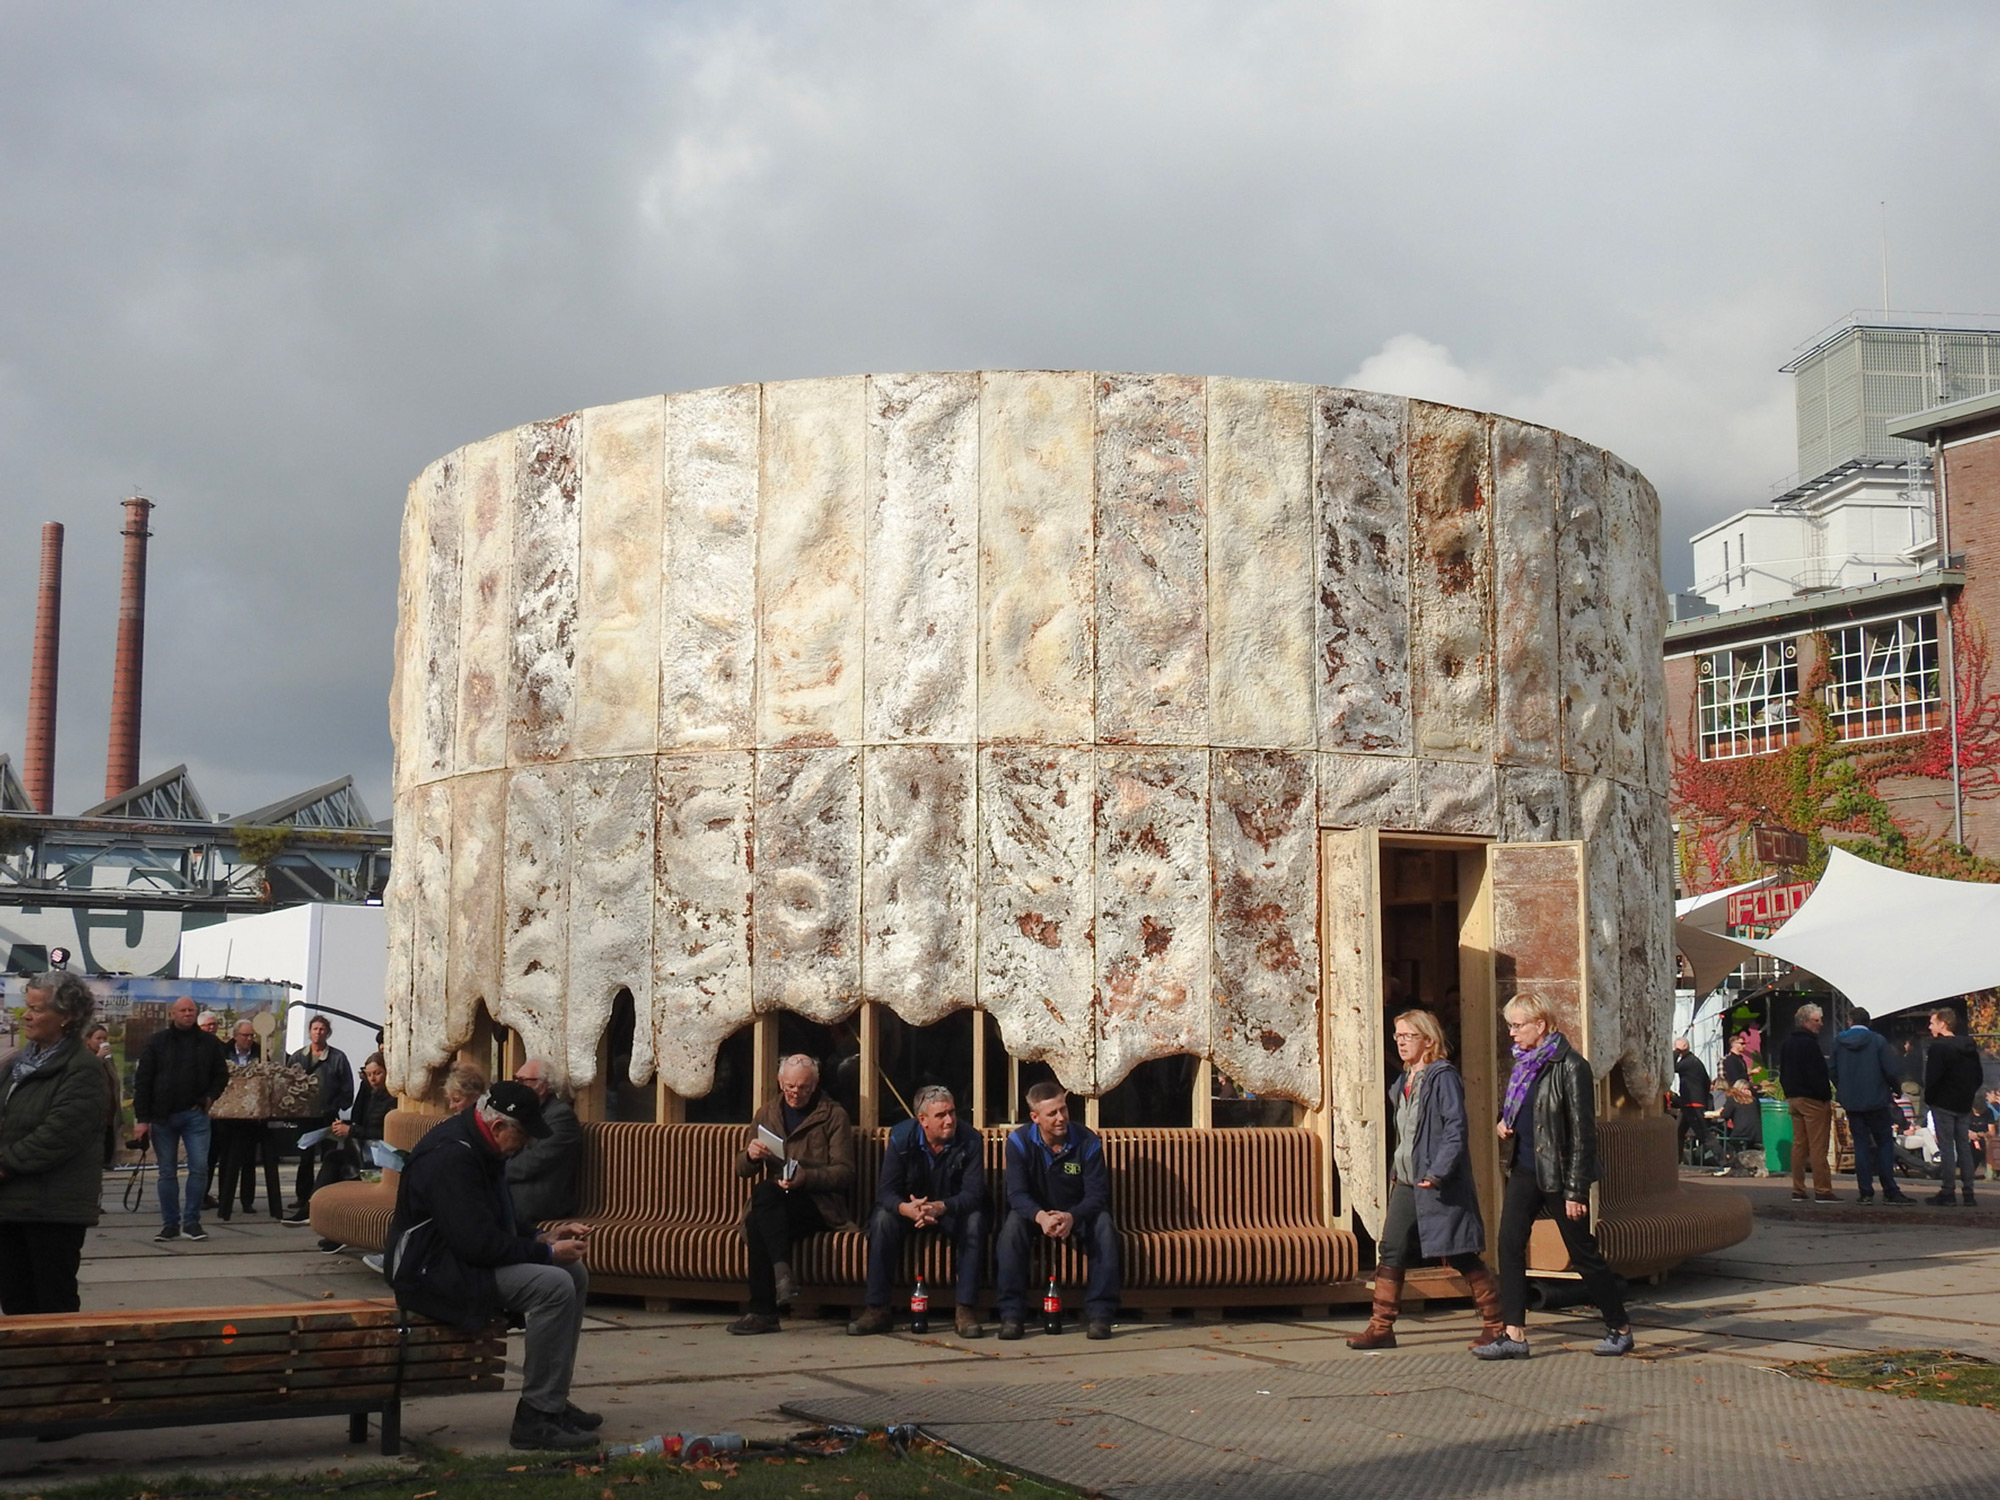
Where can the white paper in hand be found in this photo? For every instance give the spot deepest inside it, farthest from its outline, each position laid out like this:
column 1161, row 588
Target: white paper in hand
column 772, row 1141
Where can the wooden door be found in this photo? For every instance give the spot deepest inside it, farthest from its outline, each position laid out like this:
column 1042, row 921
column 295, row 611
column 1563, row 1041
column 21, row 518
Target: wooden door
column 1354, row 1119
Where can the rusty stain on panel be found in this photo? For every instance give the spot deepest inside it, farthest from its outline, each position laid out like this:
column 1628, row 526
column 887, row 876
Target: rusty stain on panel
column 1261, row 620
column 1037, row 905
column 806, row 928
column 918, row 877
column 1364, row 561
column 618, row 584
column 1528, row 713
column 1450, row 483
column 486, row 603
column 1263, row 1029
column 701, row 913
column 1152, row 560
column 610, row 907
column 708, row 570
column 1538, row 908
column 1152, row 908
column 812, row 460
column 547, row 520
column 923, row 557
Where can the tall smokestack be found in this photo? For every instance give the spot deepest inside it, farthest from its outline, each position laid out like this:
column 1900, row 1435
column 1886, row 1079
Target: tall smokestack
column 121, row 762
column 39, row 771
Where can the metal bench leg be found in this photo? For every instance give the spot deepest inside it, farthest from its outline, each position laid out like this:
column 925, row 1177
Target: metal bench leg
column 357, row 1427
column 392, row 1429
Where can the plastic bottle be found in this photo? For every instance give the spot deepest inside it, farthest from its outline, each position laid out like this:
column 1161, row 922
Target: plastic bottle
column 920, row 1309
column 1052, row 1309
column 676, row 1447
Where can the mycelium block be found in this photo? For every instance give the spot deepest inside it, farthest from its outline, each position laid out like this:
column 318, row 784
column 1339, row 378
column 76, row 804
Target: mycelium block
column 547, row 533
column 1454, row 797
column 1152, row 907
column 923, row 558
column 1152, row 560
column 610, row 906
column 618, row 580
column 809, row 562
column 1526, row 646
column 701, row 912
column 806, row 906
column 1450, row 485
column 430, row 896
column 405, row 728
column 534, row 936
column 477, row 906
column 486, row 602
column 708, row 570
column 1037, row 960
column 1037, row 605
column 1625, row 578
column 919, row 943
column 1263, row 835
column 1583, row 623
column 1260, row 564
column 1367, row 791
column 1363, row 557
column 438, row 683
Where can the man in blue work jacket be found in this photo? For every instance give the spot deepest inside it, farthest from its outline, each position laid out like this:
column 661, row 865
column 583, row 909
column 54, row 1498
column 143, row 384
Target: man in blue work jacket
column 1057, row 1189
column 933, row 1178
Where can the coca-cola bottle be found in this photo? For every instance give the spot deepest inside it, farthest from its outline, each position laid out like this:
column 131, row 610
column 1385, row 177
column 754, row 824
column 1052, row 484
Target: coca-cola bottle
column 1052, row 1309
column 920, row 1309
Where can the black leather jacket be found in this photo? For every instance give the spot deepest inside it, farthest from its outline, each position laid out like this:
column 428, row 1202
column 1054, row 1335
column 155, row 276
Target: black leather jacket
column 1566, row 1126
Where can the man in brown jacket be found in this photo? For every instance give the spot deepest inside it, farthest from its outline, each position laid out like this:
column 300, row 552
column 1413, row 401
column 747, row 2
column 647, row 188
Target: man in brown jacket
column 799, row 1193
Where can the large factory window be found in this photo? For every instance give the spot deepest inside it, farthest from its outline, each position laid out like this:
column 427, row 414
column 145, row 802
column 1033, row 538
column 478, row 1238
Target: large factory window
column 1885, row 678
column 1748, row 700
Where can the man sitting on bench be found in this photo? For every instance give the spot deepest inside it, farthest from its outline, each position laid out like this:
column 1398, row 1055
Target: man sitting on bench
column 933, row 1178
column 1058, row 1189
column 801, row 1188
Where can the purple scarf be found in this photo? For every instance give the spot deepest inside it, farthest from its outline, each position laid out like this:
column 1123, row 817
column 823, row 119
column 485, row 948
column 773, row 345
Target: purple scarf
column 1527, row 1068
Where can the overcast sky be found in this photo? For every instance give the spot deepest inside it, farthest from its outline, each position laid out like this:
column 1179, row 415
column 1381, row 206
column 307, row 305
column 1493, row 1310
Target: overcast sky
column 265, row 262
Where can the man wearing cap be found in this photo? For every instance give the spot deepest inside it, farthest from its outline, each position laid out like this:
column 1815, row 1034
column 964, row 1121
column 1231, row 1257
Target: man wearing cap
column 456, row 1253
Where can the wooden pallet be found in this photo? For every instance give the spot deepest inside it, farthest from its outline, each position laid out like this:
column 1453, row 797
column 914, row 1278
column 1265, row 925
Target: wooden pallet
column 68, row 1373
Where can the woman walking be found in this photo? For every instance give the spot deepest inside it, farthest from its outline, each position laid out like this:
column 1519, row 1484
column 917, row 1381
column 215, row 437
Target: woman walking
column 53, row 1094
column 1548, row 1147
column 1433, row 1209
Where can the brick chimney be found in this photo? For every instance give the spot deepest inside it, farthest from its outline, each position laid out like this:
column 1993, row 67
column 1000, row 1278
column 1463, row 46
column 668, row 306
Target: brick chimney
column 121, row 762
column 38, row 772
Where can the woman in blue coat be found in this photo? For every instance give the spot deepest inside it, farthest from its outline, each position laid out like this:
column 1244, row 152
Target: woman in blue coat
column 1433, row 1208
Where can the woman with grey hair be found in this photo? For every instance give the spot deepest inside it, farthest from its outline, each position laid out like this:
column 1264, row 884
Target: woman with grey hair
column 52, row 1103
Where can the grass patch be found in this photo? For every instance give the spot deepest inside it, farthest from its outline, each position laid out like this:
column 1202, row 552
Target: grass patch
column 1926, row 1374
column 870, row 1471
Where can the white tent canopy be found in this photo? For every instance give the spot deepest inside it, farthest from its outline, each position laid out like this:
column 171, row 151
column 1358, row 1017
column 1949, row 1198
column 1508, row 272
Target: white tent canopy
column 1699, row 923
column 1889, row 940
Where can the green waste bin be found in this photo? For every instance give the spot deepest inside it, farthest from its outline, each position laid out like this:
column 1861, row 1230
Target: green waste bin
column 1777, row 1122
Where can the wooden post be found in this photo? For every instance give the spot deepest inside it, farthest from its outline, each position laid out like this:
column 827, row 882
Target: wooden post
column 978, row 1100
column 1204, row 1095
column 1091, row 1110
column 763, row 1061
column 870, row 1097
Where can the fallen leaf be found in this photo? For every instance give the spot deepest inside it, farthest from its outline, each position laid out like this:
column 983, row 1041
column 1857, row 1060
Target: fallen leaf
column 1064, row 1422
column 1617, row 1476
column 1107, row 1445
column 426, row 1495
column 711, row 1484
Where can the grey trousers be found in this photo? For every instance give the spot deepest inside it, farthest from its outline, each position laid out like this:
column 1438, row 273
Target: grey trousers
column 550, row 1298
column 1954, row 1139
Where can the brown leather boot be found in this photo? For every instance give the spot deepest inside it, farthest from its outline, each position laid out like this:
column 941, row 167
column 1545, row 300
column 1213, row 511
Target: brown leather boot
column 1381, row 1330
column 1486, row 1298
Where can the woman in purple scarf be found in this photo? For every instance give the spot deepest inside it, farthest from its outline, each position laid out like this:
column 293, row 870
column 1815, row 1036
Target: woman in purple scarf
column 1548, row 1148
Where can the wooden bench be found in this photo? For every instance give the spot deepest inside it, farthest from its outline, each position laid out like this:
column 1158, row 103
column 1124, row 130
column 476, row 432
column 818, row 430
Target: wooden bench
column 69, row 1373
column 1206, row 1218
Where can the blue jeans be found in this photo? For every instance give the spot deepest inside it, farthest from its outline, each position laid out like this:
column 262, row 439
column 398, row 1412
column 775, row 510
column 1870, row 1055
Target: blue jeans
column 184, row 1130
column 1098, row 1239
column 1874, row 1147
column 886, row 1232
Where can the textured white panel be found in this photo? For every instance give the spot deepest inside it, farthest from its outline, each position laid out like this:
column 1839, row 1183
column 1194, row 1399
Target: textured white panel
column 807, row 895
column 1608, row 857
column 1453, row 797
column 1036, row 593
column 809, row 551
column 1528, row 717
column 1631, row 582
column 919, row 937
column 442, row 587
column 1645, row 958
column 923, row 557
column 1152, row 908
column 1263, row 1026
column 405, row 1029
column 534, row 943
column 1534, row 804
column 708, row 567
column 618, row 594
column 1367, row 791
column 1152, row 560
column 1261, row 621
column 1451, row 569
column 610, row 906
column 547, row 517
column 486, row 602
column 477, row 909
column 405, row 717
column 1036, row 903
column 701, row 913
column 1586, row 649
column 1363, row 675
column 430, row 899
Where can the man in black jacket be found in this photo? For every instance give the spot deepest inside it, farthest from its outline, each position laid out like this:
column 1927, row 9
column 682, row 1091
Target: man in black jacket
column 455, row 1253
column 329, row 1065
column 933, row 1178
column 1692, row 1086
column 1809, row 1099
column 1953, row 1079
column 179, row 1075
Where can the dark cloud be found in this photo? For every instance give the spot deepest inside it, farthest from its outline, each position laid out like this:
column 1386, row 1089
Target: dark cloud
column 267, row 262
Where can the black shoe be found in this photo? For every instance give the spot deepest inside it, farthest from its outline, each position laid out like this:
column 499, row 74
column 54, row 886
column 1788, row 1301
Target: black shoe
column 1900, row 1199
column 168, row 1234
column 1864, row 1197
column 194, row 1232
column 755, row 1323
column 576, row 1417
column 1100, row 1328
column 1946, row 1199
column 298, row 1218
column 1010, row 1329
column 330, row 1247
column 539, row 1431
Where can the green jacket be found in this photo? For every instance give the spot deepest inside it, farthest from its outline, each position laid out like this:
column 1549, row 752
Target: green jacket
column 52, row 1139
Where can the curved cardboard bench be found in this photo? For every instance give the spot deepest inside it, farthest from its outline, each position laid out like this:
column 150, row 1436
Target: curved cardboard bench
column 1205, row 1217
